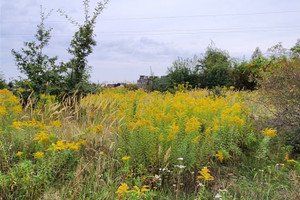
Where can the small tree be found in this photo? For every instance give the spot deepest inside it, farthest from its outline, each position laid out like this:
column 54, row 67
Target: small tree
column 280, row 84
column 80, row 48
column 43, row 74
column 183, row 71
column 215, row 68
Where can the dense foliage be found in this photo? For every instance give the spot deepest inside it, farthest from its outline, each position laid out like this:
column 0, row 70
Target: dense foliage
column 216, row 68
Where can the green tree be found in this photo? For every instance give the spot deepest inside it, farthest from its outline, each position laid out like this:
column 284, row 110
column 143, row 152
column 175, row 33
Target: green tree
column 43, row 74
column 215, row 68
column 183, row 71
column 80, row 48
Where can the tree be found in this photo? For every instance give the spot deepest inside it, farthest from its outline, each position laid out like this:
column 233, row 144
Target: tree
column 80, row 48
column 183, row 71
column 43, row 74
column 215, row 68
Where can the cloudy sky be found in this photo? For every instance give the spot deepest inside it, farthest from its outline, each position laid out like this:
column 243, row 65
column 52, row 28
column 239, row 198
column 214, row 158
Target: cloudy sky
column 134, row 36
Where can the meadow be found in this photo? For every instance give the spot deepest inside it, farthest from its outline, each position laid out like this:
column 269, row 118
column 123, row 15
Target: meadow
column 121, row 144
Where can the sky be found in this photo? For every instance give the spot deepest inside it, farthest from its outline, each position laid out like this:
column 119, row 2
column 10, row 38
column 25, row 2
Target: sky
column 140, row 37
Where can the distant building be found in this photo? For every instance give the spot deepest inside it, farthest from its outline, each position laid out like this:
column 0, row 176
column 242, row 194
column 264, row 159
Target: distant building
column 145, row 81
column 115, row 85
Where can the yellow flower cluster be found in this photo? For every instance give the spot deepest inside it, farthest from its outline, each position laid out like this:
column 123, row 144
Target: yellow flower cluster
column 193, row 117
column 192, row 125
column 35, row 124
column 220, row 156
column 205, row 174
column 43, row 137
column 124, row 188
column 125, row 158
column 30, row 123
column 39, row 155
column 56, row 124
column 63, row 145
column 9, row 104
column 269, row 132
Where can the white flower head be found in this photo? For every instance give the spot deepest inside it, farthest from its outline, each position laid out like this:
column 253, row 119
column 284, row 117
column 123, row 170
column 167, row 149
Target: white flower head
column 180, row 166
column 157, row 176
column 200, row 185
column 180, row 159
column 218, row 196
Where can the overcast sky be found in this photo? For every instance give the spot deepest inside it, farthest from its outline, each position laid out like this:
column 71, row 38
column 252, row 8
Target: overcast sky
column 134, row 35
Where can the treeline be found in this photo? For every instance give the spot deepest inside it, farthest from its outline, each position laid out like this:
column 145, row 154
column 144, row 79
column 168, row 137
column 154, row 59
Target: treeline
column 216, row 68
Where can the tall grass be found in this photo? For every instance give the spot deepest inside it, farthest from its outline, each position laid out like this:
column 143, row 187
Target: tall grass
column 121, row 144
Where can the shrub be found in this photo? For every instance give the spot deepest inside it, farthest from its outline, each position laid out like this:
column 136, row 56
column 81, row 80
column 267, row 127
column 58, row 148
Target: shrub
column 281, row 87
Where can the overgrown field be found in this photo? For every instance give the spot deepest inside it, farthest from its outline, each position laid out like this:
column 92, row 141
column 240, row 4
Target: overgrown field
column 121, row 144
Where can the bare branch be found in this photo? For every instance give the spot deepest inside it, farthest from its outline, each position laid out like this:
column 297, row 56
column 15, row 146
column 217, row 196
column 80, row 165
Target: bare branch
column 86, row 4
column 98, row 10
column 64, row 14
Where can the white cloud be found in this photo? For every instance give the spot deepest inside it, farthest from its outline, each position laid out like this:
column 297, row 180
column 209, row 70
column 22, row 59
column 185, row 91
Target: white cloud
column 128, row 45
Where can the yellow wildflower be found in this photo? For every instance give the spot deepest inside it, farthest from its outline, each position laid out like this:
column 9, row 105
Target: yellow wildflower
column 19, row 153
column 73, row 146
column 174, row 129
column 207, row 131
column 55, row 124
column 137, row 190
column 196, row 139
column 125, row 158
column 145, row 188
column 286, row 156
column 122, row 189
column 12, row 99
column 160, row 137
column 82, row 142
column 192, row 125
column 39, row 155
column 101, row 153
column 17, row 109
column 42, row 137
column 236, row 120
column 5, row 93
column 112, row 129
column 171, row 137
column 97, row 129
column 3, row 111
column 220, row 156
column 205, row 174
column 63, row 145
column 269, row 132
